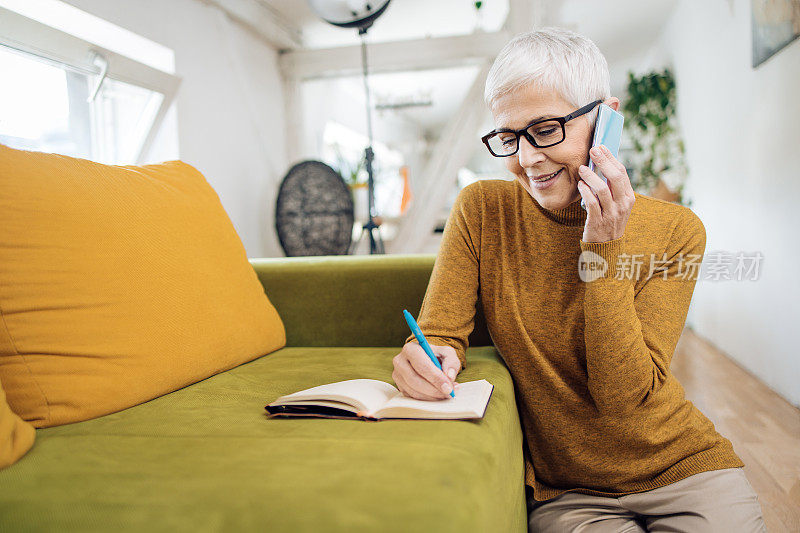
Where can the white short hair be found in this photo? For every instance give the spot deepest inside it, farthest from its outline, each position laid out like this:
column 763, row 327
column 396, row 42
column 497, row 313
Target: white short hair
column 553, row 58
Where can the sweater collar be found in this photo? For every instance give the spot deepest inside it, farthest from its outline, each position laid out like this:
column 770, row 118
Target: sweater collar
column 571, row 215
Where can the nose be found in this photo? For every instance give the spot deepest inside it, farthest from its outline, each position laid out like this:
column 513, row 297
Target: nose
column 528, row 154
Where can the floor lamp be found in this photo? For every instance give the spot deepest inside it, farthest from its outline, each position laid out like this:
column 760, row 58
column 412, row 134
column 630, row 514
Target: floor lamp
column 359, row 14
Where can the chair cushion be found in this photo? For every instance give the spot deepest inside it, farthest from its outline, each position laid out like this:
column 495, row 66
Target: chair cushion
column 16, row 435
column 118, row 284
column 207, row 458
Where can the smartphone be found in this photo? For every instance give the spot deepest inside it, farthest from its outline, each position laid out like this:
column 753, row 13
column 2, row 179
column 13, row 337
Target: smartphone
column 608, row 132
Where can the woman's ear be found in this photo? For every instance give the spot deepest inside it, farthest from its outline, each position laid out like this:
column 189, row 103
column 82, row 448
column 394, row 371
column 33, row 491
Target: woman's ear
column 612, row 102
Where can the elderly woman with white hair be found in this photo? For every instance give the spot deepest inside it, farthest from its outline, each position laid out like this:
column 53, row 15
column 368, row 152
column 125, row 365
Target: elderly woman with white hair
column 611, row 443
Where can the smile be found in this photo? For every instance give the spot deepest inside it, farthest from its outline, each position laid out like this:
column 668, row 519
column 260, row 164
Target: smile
column 547, row 178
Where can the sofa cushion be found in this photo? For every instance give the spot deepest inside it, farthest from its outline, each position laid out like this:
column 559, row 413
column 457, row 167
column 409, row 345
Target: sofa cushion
column 118, row 284
column 352, row 300
column 206, row 458
column 16, row 435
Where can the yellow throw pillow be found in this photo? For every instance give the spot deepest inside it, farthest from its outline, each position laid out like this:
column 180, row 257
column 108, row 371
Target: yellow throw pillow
column 16, row 436
column 118, row 284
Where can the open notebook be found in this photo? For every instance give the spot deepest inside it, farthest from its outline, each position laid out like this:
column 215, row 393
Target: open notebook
column 371, row 399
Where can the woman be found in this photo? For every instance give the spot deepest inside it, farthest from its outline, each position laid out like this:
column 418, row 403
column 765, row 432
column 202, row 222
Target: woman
column 610, row 442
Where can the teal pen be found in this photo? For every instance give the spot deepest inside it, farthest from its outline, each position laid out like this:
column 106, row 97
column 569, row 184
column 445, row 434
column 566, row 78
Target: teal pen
column 423, row 342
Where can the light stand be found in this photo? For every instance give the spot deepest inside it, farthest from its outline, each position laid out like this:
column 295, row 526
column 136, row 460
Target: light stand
column 375, row 245
column 359, row 14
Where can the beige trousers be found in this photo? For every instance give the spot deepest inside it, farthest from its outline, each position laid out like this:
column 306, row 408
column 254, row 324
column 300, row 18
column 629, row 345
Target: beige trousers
column 714, row 501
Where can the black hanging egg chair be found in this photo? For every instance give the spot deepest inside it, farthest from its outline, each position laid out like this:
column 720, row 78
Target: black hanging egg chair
column 314, row 211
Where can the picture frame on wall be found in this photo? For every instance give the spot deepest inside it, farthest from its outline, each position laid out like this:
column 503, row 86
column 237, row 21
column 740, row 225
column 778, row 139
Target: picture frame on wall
column 776, row 23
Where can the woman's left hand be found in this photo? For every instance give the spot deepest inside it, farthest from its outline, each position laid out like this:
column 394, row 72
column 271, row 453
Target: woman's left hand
column 606, row 219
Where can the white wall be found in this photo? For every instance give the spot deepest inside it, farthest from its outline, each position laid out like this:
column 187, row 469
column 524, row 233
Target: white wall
column 742, row 132
column 230, row 111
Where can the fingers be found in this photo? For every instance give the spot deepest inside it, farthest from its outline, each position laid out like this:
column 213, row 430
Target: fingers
column 417, row 376
column 402, row 384
column 451, row 364
column 427, row 371
column 593, row 210
column 607, row 214
column 614, row 171
column 418, row 386
column 598, row 186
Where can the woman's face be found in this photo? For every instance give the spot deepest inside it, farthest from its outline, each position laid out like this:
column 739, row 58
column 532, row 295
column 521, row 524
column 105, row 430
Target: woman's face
column 522, row 106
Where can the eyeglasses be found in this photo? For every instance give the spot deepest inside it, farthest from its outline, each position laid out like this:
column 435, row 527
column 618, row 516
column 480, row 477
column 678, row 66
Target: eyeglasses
column 540, row 133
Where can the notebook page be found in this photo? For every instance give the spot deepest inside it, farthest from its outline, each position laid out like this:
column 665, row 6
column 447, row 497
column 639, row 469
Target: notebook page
column 365, row 394
column 471, row 397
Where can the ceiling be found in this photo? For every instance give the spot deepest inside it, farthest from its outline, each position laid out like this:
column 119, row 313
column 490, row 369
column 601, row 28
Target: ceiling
column 624, row 30
column 403, row 20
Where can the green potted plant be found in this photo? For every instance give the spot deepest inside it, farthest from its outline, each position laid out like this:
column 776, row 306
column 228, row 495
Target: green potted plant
column 350, row 170
column 658, row 158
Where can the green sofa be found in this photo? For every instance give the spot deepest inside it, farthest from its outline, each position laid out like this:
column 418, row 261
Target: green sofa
column 206, row 458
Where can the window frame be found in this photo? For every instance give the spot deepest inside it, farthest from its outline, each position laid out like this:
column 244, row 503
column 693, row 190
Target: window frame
column 61, row 49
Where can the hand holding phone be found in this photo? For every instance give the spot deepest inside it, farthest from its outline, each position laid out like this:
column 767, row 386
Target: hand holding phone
column 608, row 132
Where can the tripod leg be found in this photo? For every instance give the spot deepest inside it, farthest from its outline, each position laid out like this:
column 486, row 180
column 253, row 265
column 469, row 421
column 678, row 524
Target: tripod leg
column 380, row 241
column 372, row 244
column 355, row 244
column 376, row 245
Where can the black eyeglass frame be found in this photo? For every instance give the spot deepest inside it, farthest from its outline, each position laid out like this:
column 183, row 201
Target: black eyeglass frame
column 524, row 131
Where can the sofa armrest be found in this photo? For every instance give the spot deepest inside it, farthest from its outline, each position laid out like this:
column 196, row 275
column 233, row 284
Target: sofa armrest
column 350, row 300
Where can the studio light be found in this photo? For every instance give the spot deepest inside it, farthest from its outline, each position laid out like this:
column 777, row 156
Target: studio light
column 359, row 14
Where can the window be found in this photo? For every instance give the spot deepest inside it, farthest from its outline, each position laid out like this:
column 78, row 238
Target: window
column 63, row 94
column 343, row 149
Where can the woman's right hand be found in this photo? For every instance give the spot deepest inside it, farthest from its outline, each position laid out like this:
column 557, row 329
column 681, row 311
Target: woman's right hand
column 417, row 377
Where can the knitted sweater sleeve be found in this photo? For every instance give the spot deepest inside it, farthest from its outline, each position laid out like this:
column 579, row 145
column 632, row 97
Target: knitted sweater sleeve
column 447, row 316
column 631, row 336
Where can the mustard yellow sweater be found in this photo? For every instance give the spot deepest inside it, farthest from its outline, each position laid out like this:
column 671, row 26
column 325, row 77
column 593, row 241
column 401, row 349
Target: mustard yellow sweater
column 601, row 411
